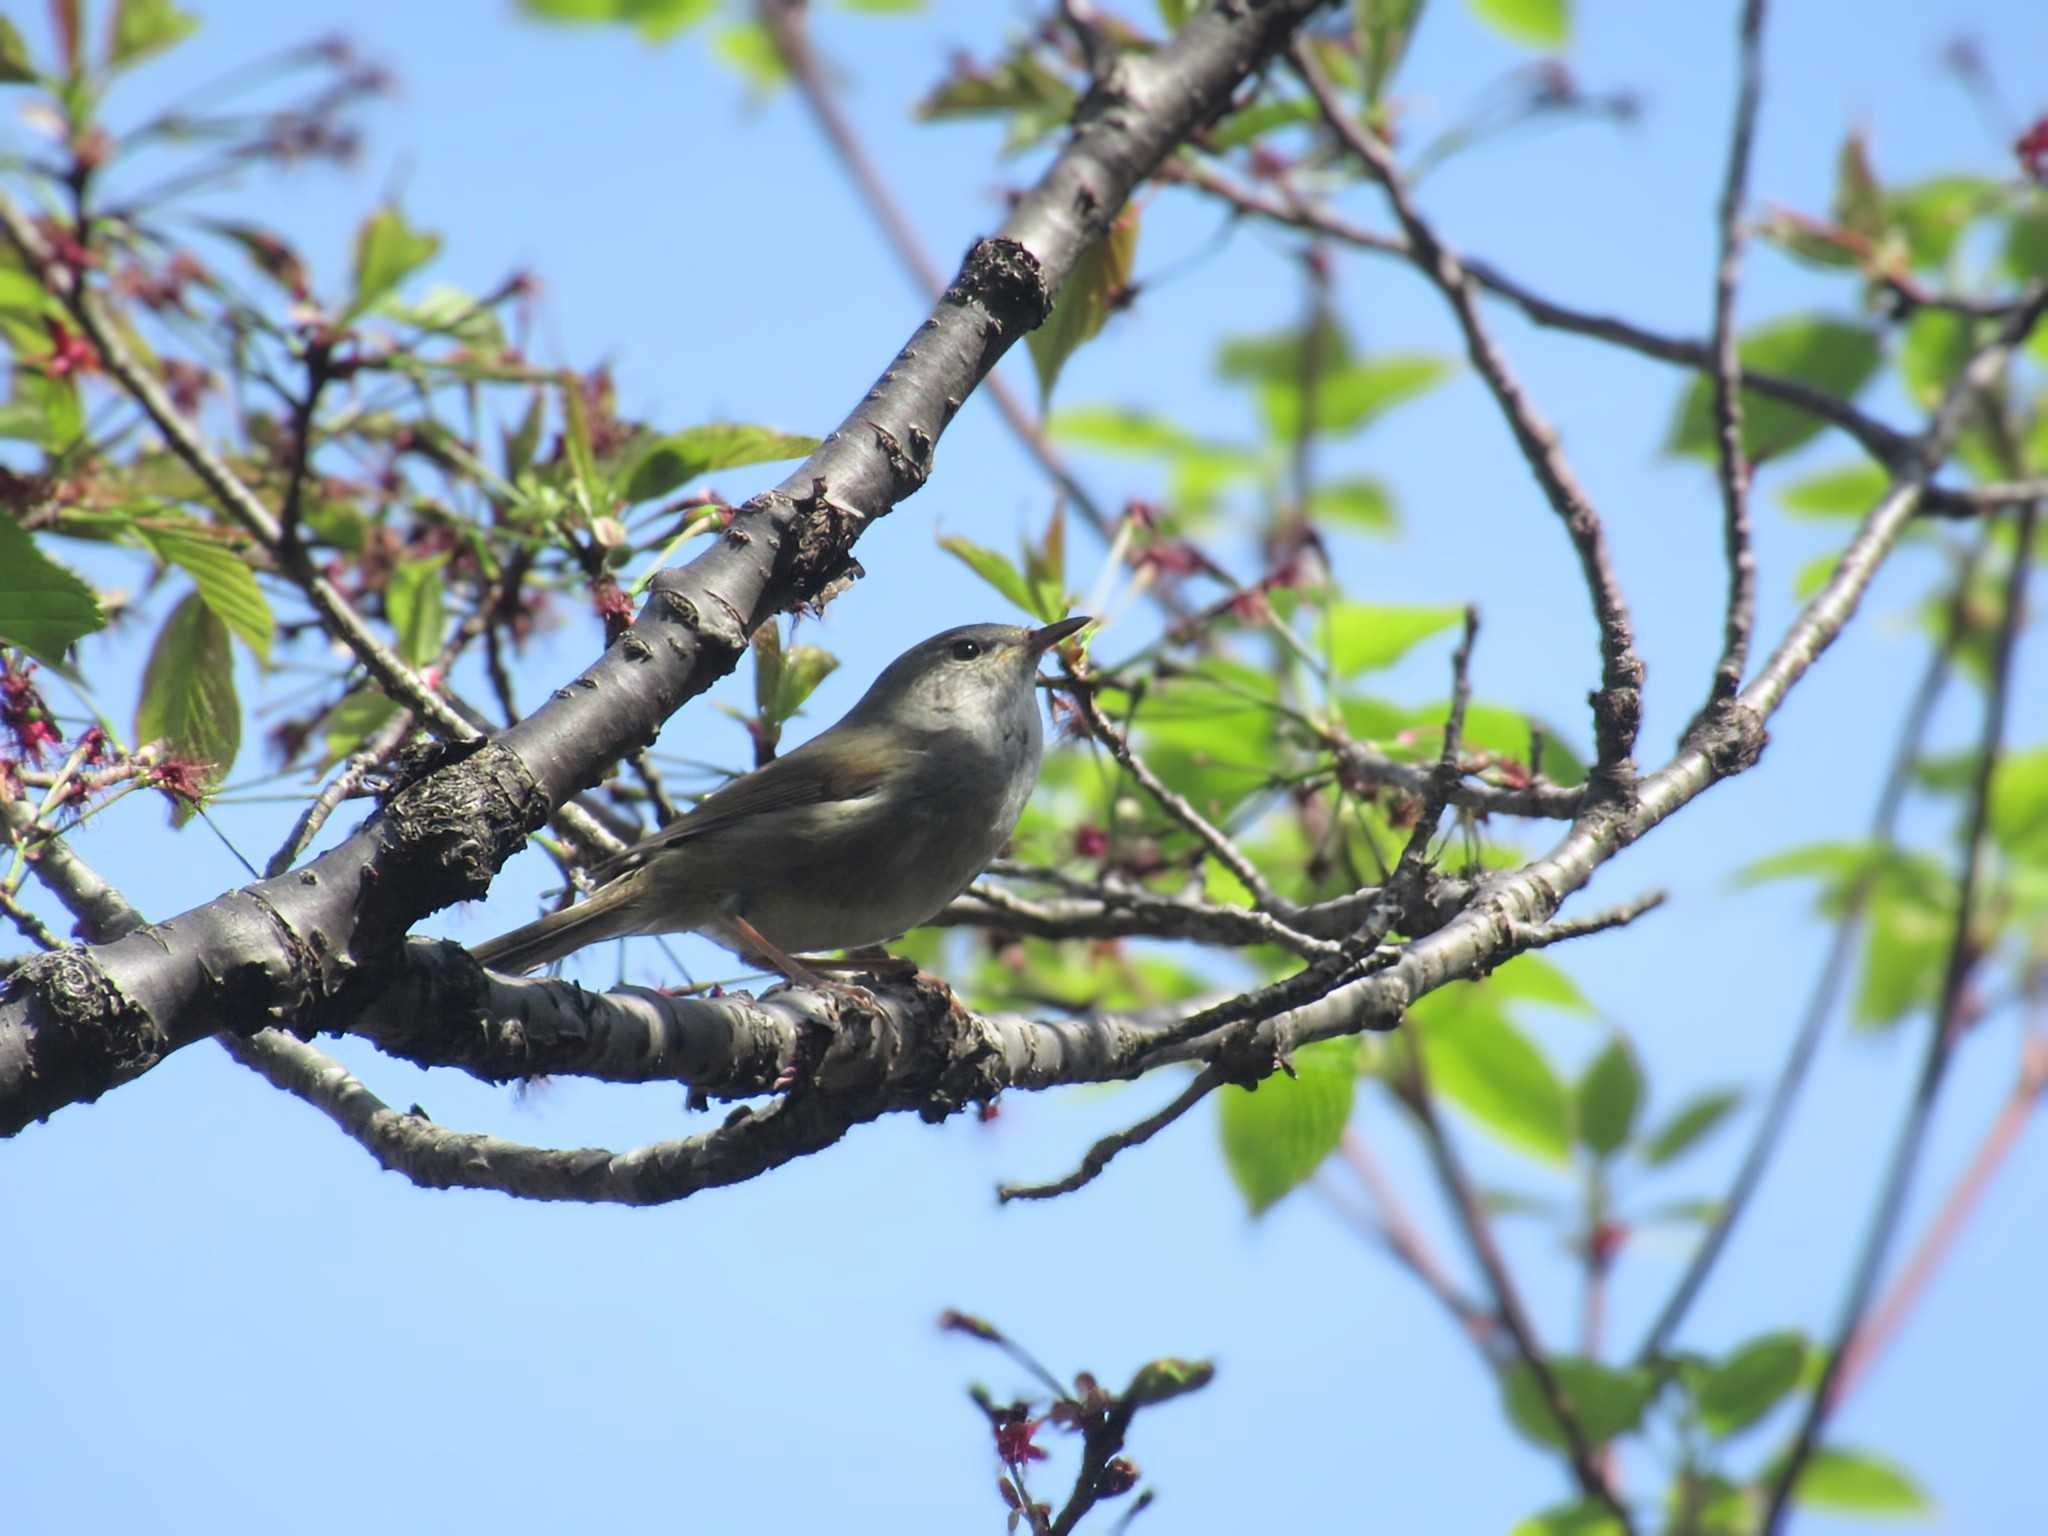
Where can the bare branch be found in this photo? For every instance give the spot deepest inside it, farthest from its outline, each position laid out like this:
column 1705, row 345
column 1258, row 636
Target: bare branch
column 1205, row 1082
column 1542, row 935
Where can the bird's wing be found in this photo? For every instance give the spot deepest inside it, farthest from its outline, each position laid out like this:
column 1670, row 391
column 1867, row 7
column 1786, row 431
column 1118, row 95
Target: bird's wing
column 855, row 767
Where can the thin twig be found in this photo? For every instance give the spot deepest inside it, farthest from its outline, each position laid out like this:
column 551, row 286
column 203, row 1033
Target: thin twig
column 1727, row 378
column 381, row 744
column 1617, row 708
column 1529, row 936
column 1099, row 1156
column 1944, row 1030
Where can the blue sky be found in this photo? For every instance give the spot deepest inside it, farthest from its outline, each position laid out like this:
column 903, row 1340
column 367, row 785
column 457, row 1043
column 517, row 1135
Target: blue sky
column 227, row 1319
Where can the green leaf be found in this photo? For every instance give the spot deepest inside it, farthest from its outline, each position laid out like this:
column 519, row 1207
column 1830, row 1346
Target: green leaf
column 1098, row 283
column 1937, row 345
column 1750, row 1382
column 1603, row 1401
column 144, row 27
column 656, row 20
column 992, row 568
column 1262, row 117
column 1174, row 12
column 2026, row 244
column 1278, row 1134
column 188, row 694
column 1534, row 978
column 1539, row 23
column 668, row 462
column 1609, row 1096
column 2019, row 805
column 15, row 65
column 1116, row 429
column 1363, row 637
column 1933, row 214
column 43, row 607
column 1837, row 356
column 748, row 49
column 388, row 250
column 1479, row 1061
column 226, row 583
column 353, row 721
column 1353, row 396
column 446, row 310
column 45, row 411
column 1045, row 569
column 1362, row 504
column 1848, row 490
column 417, row 609
column 1584, row 1518
column 1858, row 1483
column 521, row 442
column 1382, row 29
column 803, row 668
column 1160, row 1381
column 1904, row 954
column 1859, row 197
column 1282, row 355
column 1689, row 1125
column 1019, row 87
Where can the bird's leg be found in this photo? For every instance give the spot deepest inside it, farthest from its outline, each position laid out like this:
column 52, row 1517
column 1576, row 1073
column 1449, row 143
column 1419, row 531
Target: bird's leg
column 790, row 967
column 871, row 959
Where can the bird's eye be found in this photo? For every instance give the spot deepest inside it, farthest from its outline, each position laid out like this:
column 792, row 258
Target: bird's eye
column 966, row 650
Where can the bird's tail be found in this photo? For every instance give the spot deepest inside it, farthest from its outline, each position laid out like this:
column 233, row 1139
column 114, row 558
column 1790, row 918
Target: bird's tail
column 604, row 916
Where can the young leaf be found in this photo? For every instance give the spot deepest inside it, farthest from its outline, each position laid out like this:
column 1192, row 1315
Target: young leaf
column 803, row 668
column 1363, row 637
column 1353, row 396
column 1837, row 356
column 1749, row 1383
column 43, row 607
column 1278, row 1134
column 1583, row 1518
column 767, row 648
column 520, row 443
column 1602, row 1400
column 667, row 463
column 15, row 65
column 1857, row 1483
column 353, row 721
column 1094, row 288
column 1689, row 1125
column 1045, row 569
column 1937, row 345
column 225, row 582
column 417, row 609
column 1933, row 214
column 750, row 52
column 1850, row 490
column 1482, row 1063
column 992, row 568
column 1381, row 29
column 388, row 250
column 1539, row 23
column 188, row 694
column 656, row 20
column 1609, row 1095
column 144, row 27
column 1366, row 505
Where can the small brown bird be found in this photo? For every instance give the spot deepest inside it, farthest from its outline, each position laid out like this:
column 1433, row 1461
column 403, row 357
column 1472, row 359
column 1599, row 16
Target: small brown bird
column 863, row 832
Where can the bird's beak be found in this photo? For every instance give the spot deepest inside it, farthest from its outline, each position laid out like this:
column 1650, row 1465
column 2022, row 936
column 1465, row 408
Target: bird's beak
column 1039, row 641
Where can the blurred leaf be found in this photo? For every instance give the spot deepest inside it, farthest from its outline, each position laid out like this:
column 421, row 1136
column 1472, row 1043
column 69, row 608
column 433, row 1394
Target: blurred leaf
column 749, row 50
column 1278, row 1134
column 267, row 253
column 353, row 721
column 1904, row 954
column 1160, row 1381
column 1859, row 199
column 1848, row 1482
column 188, row 695
column 1362, row 504
column 1174, row 12
column 1019, row 86
column 656, row 20
column 1364, row 637
column 1750, row 1382
column 2026, row 244
column 226, row 583
column 15, row 65
column 1845, row 868
column 1837, row 356
column 1095, row 287
column 2019, row 805
column 1381, row 29
column 1352, row 396
column 1534, row 978
column 522, row 441
column 144, row 27
column 1240, row 128
column 767, row 648
column 446, row 310
column 803, row 668
column 1045, row 568
column 1689, row 1125
column 1604, row 1402
column 45, row 410
column 1509, row 734
column 1488, row 1068
column 1932, row 214
column 43, row 607
column 1115, row 429
column 1848, row 490
column 1609, row 1096
column 1815, row 574
column 418, row 612
column 1936, row 347
column 1585, row 1518
column 1282, row 355
column 1701, row 1504
column 994, row 569
column 388, row 250
column 666, row 463
column 1539, row 23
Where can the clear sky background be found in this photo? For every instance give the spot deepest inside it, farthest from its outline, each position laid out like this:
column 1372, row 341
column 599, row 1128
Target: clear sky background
column 222, row 1317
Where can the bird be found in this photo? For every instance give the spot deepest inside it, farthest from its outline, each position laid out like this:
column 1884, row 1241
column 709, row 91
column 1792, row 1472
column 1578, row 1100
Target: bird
column 862, row 833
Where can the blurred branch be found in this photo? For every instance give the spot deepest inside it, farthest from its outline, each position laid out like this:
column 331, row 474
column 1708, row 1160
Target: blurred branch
column 1944, row 1031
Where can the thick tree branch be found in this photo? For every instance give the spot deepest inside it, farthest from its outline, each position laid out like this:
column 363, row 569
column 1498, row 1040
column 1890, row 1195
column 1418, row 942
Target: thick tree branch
column 301, row 950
